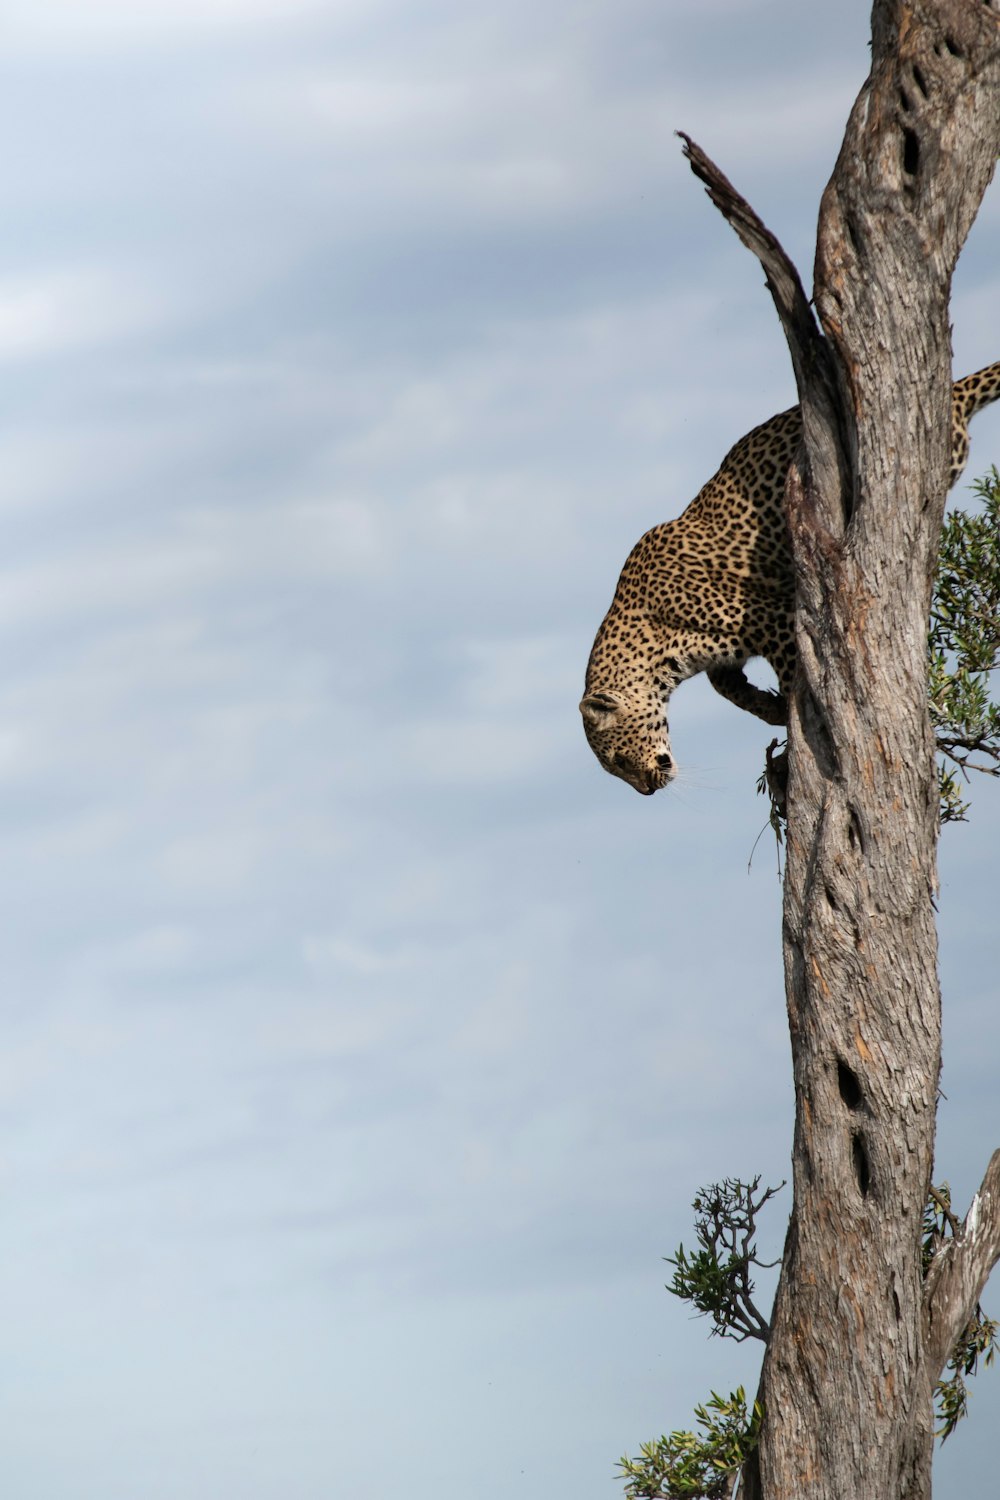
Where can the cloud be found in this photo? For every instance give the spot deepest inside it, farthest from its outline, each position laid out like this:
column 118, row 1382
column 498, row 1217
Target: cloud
column 349, row 1007
column 62, row 311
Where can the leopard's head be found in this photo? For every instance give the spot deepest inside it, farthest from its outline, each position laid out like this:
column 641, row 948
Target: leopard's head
column 628, row 733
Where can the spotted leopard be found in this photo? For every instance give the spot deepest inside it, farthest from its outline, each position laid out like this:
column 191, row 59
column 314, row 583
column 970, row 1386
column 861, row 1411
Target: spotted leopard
column 708, row 591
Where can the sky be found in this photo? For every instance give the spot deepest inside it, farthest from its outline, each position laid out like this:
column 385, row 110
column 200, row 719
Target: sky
column 364, row 1043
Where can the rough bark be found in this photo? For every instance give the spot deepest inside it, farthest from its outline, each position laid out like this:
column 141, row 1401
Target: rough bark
column 855, row 1350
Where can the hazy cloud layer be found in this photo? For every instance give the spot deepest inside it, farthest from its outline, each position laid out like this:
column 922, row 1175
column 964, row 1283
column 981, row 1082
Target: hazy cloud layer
column 363, row 1044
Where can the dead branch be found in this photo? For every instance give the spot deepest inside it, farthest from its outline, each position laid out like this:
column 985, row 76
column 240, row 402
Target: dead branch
column 960, row 1269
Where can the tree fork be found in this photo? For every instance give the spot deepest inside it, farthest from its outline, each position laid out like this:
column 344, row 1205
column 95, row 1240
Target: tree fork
column 857, row 1340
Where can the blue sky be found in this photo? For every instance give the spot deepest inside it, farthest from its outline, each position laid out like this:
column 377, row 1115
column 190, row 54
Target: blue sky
column 364, row 1043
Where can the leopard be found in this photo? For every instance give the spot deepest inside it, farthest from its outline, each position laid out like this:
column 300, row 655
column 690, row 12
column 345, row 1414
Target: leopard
column 710, row 591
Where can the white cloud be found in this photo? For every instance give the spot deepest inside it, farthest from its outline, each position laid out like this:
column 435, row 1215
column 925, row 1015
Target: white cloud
column 334, row 955
column 52, row 27
column 63, row 311
column 475, row 752
column 516, row 677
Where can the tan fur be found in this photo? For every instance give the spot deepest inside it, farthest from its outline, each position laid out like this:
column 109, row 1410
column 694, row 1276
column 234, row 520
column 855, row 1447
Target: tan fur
column 707, row 592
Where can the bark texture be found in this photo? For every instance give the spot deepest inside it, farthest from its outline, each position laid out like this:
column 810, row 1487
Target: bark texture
column 849, row 1374
column 856, row 1347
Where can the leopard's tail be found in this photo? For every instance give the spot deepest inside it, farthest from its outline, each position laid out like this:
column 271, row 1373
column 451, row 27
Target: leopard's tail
column 978, row 390
column 969, row 396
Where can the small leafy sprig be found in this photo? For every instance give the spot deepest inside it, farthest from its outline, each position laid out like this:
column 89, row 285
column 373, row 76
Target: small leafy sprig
column 716, row 1278
column 699, row 1465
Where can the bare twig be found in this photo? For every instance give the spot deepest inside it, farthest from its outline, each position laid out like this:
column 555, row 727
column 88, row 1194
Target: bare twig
column 945, row 1208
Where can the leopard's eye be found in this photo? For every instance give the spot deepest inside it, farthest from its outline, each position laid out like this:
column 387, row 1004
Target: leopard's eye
column 622, row 761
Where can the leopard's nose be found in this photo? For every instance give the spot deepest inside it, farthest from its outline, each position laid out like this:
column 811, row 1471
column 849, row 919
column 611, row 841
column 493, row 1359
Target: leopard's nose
column 665, row 761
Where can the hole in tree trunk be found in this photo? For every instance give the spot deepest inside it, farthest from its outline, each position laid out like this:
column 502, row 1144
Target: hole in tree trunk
column 850, row 1088
column 911, row 153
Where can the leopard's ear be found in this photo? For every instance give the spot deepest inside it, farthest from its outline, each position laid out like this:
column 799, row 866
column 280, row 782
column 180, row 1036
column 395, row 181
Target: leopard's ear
column 601, row 709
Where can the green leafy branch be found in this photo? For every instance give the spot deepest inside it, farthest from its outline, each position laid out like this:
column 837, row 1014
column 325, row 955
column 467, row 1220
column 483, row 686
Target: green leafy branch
column 716, row 1278
column 963, row 646
column 697, row 1465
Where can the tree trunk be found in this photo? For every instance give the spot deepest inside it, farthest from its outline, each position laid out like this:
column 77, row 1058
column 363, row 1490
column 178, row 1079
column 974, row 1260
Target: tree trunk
column 858, row 1341
column 848, row 1378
